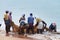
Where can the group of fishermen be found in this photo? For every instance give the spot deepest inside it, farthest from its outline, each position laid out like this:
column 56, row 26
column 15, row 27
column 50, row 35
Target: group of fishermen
column 40, row 24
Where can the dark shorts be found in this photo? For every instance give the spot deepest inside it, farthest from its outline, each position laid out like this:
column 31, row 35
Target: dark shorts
column 22, row 23
column 7, row 22
column 30, row 25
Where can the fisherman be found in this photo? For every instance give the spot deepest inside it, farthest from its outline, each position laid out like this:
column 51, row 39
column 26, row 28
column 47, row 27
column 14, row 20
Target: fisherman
column 7, row 22
column 39, row 25
column 52, row 27
column 22, row 23
column 31, row 22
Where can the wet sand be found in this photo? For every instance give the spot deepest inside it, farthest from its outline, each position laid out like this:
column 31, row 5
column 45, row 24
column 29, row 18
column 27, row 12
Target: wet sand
column 45, row 36
column 13, row 36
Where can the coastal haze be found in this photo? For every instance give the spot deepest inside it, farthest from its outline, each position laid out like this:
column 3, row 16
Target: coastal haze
column 47, row 10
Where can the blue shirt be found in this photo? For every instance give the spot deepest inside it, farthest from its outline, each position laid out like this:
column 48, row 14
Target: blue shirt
column 30, row 20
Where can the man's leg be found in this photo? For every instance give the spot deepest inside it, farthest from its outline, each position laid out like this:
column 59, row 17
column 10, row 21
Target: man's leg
column 7, row 30
column 32, row 30
column 38, row 31
column 41, row 31
column 22, row 30
column 29, row 28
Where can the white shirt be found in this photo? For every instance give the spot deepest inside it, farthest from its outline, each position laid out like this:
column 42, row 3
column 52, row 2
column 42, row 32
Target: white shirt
column 22, row 21
column 40, row 25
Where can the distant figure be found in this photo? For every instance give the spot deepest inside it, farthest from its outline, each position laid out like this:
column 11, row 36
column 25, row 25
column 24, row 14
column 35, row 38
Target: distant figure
column 52, row 27
column 7, row 22
column 22, row 23
column 31, row 22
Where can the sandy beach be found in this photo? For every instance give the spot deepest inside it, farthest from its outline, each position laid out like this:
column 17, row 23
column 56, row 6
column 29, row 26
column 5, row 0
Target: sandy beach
column 45, row 36
column 12, row 36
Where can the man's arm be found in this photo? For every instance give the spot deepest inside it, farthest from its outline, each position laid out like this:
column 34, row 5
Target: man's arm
column 19, row 20
column 44, row 22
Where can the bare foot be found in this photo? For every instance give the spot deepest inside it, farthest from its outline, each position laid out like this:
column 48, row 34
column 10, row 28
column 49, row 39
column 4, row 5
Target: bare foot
column 7, row 34
column 25, row 35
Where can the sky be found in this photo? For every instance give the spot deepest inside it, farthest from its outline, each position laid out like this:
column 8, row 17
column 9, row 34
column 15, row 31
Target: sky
column 47, row 10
